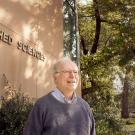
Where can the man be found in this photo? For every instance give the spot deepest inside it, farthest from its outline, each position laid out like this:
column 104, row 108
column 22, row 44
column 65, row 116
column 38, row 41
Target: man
column 61, row 112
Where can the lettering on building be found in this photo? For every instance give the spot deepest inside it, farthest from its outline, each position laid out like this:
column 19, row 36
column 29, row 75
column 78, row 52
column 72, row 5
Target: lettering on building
column 6, row 38
column 29, row 50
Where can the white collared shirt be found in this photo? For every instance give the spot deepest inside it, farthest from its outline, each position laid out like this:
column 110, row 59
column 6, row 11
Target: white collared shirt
column 59, row 96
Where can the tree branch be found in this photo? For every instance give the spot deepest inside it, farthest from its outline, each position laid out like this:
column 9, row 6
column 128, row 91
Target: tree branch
column 98, row 27
column 84, row 47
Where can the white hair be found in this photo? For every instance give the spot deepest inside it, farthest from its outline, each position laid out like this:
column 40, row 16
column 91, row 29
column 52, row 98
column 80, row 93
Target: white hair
column 60, row 62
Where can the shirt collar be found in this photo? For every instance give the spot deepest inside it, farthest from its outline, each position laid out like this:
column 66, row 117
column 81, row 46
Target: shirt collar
column 59, row 95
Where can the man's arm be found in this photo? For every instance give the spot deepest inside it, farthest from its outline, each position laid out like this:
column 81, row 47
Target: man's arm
column 93, row 132
column 92, row 120
column 34, row 124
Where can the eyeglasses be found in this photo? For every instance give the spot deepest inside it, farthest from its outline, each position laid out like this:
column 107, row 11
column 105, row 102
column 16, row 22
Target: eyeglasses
column 68, row 72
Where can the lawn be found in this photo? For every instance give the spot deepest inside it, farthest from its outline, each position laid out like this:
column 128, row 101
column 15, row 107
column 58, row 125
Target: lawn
column 129, row 125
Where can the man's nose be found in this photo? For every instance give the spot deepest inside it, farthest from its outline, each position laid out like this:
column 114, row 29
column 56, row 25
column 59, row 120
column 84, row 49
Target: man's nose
column 72, row 74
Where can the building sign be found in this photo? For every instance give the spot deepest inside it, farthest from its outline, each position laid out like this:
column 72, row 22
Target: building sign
column 29, row 50
column 6, row 38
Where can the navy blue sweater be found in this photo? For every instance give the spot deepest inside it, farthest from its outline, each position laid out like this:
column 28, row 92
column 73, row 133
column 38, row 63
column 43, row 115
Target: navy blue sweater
column 51, row 117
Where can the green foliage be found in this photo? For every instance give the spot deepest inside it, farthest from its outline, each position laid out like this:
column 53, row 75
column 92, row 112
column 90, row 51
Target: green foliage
column 97, row 72
column 116, row 49
column 14, row 111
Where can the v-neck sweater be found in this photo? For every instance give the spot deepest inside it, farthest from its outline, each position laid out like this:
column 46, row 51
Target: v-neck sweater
column 49, row 116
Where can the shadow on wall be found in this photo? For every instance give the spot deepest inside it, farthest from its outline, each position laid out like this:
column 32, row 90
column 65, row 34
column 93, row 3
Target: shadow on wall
column 35, row 20
column 39, row 23
column 3, row 81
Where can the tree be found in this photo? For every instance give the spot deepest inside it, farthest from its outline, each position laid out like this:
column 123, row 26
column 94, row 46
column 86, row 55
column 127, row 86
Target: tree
column 108, row 27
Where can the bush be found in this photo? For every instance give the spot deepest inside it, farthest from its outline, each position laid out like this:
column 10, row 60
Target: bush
column 14, row 111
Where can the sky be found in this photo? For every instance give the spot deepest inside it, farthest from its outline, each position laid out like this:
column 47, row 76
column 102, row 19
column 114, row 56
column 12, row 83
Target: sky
column 84, row 2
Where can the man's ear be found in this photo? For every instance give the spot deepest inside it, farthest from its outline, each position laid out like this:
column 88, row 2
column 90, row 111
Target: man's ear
column 55, row 77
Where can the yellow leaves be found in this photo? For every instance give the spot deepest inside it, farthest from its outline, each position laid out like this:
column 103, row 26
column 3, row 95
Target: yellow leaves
column 114, row 15
column 9, row 92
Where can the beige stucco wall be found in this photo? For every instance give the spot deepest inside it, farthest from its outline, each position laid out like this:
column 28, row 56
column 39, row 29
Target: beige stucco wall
column 38, row 24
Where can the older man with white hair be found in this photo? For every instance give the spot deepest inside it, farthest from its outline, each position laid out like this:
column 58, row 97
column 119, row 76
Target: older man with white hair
column 61, row 112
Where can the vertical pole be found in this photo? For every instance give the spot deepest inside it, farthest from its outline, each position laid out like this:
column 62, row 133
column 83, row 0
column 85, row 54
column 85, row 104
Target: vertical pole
column 77, row 35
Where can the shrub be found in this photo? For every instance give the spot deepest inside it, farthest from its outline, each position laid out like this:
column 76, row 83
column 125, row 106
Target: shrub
column 14, row 111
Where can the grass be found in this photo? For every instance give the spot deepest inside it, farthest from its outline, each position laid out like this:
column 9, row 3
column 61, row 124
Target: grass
column 129, row 124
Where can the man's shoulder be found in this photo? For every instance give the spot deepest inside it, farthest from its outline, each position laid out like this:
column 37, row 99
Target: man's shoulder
column 44, row 99
column 83, row 102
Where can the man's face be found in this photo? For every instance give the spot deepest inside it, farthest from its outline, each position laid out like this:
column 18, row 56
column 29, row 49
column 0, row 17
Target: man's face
column 67, row 77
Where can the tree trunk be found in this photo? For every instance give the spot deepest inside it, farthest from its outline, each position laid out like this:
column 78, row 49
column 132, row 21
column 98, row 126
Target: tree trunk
column 124, row 102
column 98, row 28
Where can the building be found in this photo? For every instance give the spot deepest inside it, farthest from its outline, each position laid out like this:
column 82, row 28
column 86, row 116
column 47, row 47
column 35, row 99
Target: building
column 31, row 40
